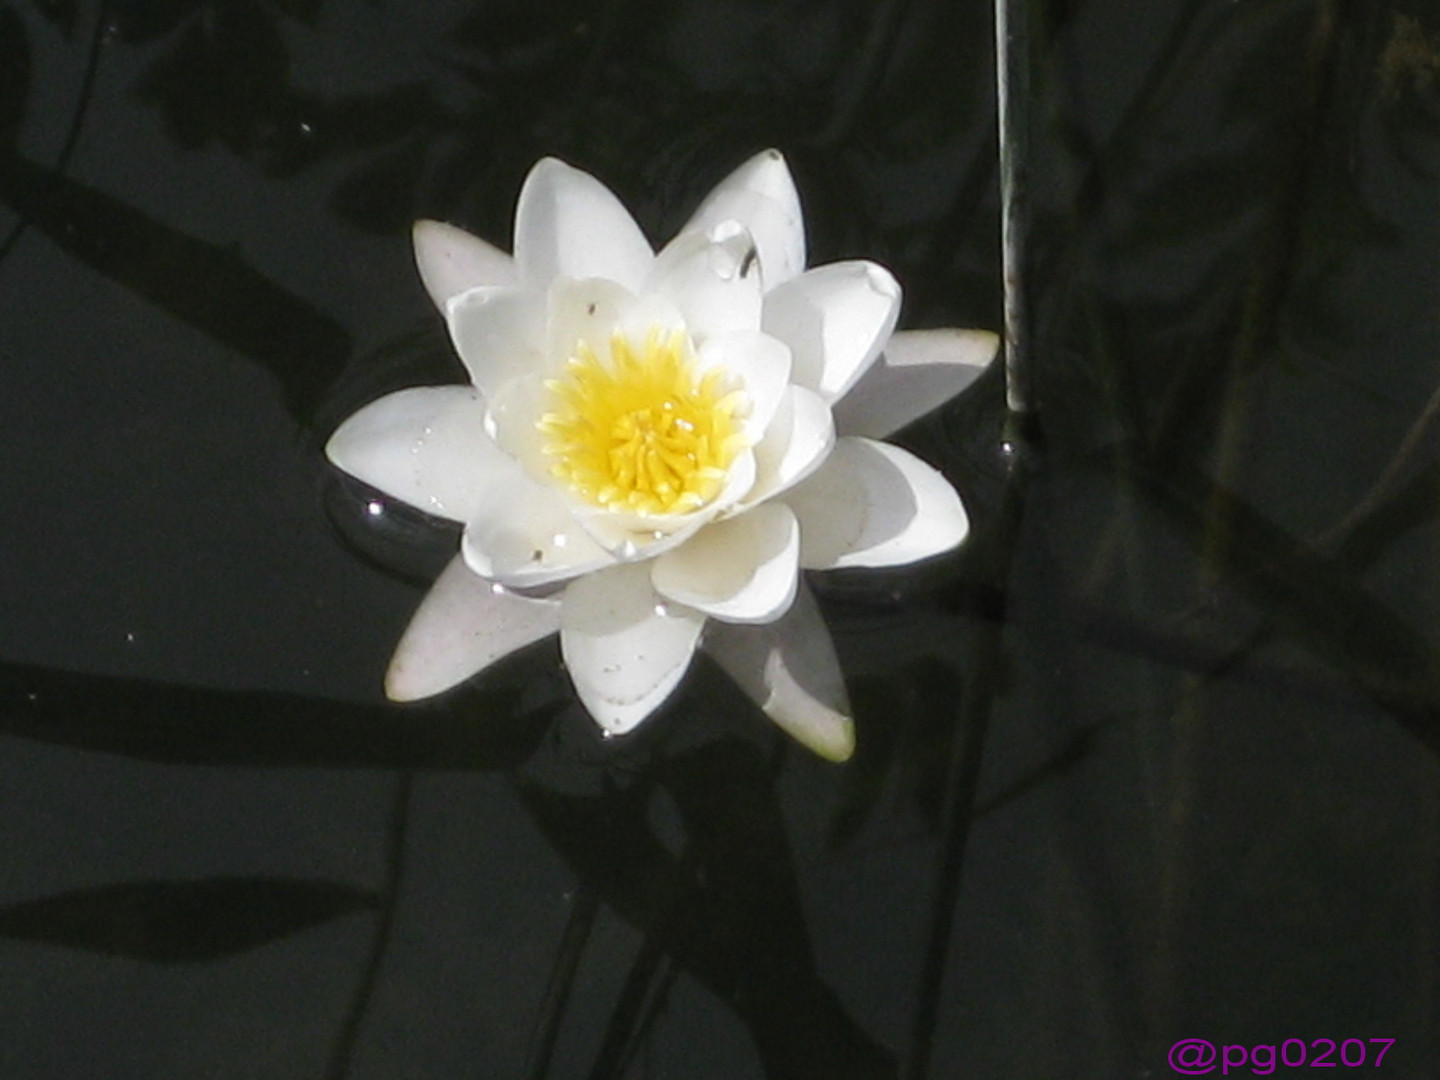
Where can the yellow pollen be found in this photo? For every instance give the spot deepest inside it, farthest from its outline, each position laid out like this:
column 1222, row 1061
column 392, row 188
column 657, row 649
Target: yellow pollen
column 646, row 432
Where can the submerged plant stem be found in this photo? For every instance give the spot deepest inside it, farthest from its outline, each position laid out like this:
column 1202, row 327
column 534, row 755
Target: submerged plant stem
column 77, row 120
column 640, row 1002
column 344, row 1048
column 993, row 552
column 583, row 909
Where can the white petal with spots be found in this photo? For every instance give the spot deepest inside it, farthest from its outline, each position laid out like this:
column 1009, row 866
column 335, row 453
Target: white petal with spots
column 464, row 625
column 626, row 646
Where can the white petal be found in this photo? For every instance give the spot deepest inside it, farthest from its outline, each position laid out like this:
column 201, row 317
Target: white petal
column 919, row 371
column 568, row 224
column 743, row 569
column 426, row 445
column 713, row 279
column 873, row 504
column 629, row 536
column 463, row 625
column 760, row 362
column 789, row 669
column 738, row 483
column 497, row 332
column 511, row 418
column 594, row 310
column 799, row 437
column 452, row 261
column 836, row 319
column 626, row 647
column 523, row 534
column 761, row 196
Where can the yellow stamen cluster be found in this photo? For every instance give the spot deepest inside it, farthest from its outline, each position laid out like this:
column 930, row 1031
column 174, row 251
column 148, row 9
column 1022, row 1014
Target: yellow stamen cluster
column 644, row 432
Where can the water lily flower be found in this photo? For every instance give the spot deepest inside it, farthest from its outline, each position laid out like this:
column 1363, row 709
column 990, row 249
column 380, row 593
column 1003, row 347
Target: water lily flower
column 652, row 447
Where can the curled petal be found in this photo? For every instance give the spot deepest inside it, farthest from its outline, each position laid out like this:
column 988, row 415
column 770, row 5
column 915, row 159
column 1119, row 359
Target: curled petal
column 568, row 224
column 761, row 196
column 836, row 319
column 789, row 669
column 497, row 332
column 873, row 504
column 713, row 278
column 452, row 261
column 760, row 362
column 799, row 437
column 919, row 371
column 743, row 569
column 626, row 646
column 463, row 625
column 426, row 445
column 523, row 534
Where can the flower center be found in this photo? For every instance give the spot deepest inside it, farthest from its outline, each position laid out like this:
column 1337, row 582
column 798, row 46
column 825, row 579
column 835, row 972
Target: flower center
column 645, row 432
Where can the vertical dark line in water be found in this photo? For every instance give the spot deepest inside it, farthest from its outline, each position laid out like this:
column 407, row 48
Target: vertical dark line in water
column 1012, row 98
column 77, row 120
column 583, row 909
column 866, row 70
column 639, row 1004
column 996, row 547
column 344, row 1049
column 1271, row 274
column 993, row 554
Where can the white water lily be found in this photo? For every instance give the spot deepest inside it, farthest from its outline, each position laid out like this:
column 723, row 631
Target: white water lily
column 649, row 445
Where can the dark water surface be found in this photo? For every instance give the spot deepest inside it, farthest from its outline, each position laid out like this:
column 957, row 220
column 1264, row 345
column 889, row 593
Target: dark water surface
column 1191, row 646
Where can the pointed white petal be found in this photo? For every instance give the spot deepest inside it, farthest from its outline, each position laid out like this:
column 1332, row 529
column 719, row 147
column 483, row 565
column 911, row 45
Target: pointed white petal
column 873, row 504
column 497, row 332
column 789, row 669
column 626, row 646
column 593, row 311
column 452, row 261
column 799, row 437
column 463, row 625
column 919, row 371
column 523, row 534
column 713, row 278
column 426, row 445
column 743, row 569
column 761, row 196
column 568, row 224
column 760, row 362
column 836, row 319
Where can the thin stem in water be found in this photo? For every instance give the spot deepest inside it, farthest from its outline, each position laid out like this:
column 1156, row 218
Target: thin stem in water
column 1012, row 81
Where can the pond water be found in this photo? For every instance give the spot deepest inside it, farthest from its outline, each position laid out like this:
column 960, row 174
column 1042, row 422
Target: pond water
column 1153, row 757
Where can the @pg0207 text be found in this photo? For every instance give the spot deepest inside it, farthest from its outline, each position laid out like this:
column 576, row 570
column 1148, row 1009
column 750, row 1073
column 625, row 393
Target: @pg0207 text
column 1201, row 1057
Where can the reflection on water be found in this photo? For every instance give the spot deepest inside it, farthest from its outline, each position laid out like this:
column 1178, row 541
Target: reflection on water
column 1152, row 759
